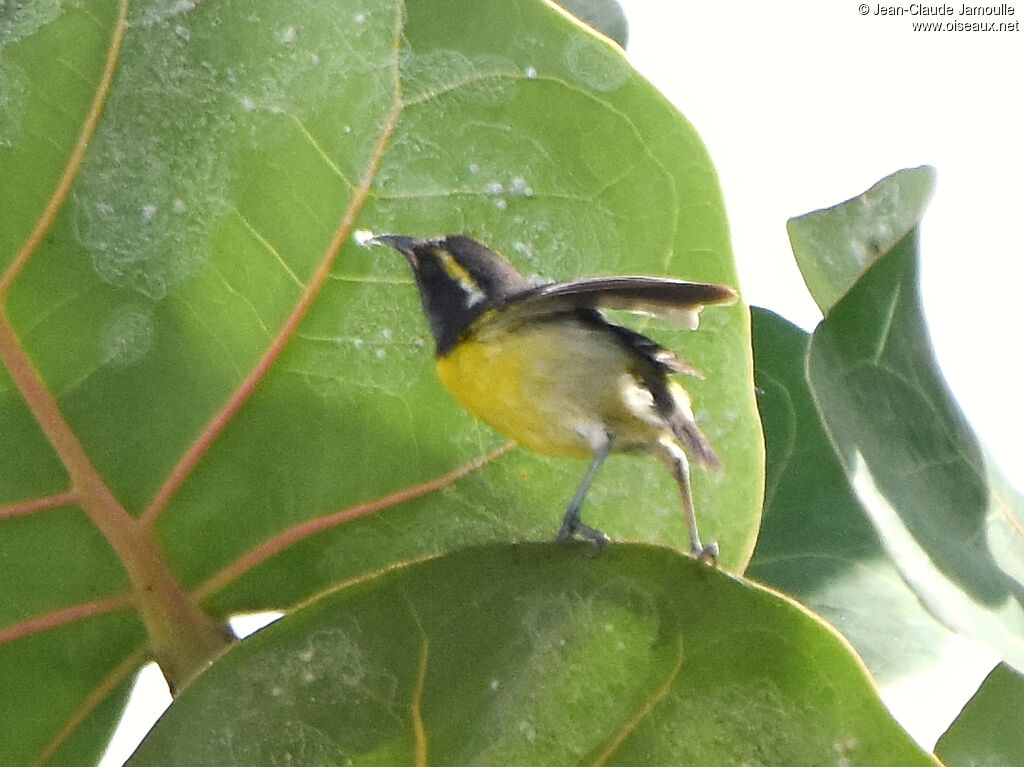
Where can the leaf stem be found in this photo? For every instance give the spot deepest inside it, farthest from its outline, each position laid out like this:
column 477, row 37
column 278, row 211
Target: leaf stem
column 183, row 638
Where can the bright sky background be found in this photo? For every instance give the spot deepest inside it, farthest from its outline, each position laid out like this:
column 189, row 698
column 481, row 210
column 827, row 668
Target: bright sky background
column 806, row 103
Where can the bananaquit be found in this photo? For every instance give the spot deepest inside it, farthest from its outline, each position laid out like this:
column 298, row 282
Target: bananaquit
column 544, row 366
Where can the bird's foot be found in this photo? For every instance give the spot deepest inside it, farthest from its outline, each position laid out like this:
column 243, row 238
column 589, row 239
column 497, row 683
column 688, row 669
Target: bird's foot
column 571, row 529
column 708, row 553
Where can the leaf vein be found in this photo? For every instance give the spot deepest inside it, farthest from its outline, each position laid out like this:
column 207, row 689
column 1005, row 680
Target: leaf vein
column 92, row 701
column 269, row 247
column 62, row 617
column 74, row 163
column 644, row 711
column 245, row 300
column 215, row 427
column 418, row 726
column 33, row 505
column 320, row 151
column 299, row 532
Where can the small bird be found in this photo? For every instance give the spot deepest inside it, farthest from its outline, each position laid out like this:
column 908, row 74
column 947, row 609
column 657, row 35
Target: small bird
column 542, row 364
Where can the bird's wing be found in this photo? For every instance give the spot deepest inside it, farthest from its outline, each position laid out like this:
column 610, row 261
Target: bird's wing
column 673, row 300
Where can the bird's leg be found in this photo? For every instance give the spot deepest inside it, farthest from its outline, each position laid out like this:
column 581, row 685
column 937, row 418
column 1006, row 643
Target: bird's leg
column 681, row 470
column 571, row 523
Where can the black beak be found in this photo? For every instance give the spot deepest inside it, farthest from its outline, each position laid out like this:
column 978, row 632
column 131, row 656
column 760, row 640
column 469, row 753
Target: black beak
column 399, row 242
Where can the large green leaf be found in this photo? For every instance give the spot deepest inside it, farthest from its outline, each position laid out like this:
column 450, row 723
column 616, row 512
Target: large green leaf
column 213, row 400
column 816, row 543
column 955, row 531
column 834, row 248
column 990, row 730
column 540, row 655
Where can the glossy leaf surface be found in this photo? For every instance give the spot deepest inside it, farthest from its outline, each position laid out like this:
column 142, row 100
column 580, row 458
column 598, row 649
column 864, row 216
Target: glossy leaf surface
column 213, row 400
column 816, row 544
column 835, row 247
column 990, row 730
column 538, row 654
column 953, row 528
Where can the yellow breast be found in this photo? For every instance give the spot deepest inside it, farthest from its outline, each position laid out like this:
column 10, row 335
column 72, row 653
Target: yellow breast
column 545, row 385
column 512, row 386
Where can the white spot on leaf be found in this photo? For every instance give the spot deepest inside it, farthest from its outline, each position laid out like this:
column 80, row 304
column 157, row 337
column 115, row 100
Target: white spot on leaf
column 596, row 64
column 127, row 337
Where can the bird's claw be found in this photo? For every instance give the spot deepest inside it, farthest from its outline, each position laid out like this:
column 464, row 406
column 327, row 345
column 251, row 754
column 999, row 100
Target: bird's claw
column 569, row 531
column 708, row 553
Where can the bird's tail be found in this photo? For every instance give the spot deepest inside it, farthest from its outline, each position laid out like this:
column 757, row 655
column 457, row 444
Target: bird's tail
column 686, row 430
